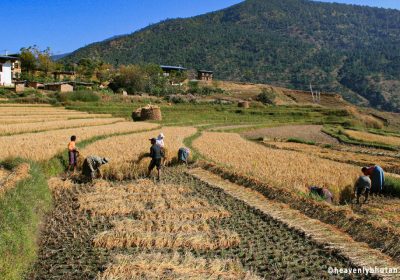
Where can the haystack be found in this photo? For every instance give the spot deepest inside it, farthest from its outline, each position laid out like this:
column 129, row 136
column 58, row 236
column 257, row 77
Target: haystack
column 244, row 104
column 136, row 115
column 150, row 112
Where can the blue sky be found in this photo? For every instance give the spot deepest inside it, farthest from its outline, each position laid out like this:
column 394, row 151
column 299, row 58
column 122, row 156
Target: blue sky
column 65, row 25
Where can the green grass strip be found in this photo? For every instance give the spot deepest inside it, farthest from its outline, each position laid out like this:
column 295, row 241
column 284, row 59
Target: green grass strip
column 21, row 210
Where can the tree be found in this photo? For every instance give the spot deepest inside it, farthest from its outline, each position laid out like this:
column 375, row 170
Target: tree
column 86, row 68
column 28, row 60
column 44, row 61
column 104, row 72
column 131, row 78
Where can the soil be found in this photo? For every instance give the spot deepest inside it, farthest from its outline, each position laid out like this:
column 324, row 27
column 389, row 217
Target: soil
column 268, row 247
column 304, row 132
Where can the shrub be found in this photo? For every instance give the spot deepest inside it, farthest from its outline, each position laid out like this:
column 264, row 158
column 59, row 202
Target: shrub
column 267, row 96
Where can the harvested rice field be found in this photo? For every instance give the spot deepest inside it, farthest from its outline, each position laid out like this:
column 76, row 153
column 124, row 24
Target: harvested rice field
column 304, row 132
column 54, row 125
column 224, row 237
column 375, row 138
column 388, row 163
column 44, row 145
column 290, row 170
column 127, row 152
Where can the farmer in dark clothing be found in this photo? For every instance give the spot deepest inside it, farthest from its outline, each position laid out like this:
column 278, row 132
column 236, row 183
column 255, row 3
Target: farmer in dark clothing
column 91, row 167
column 362, row 186
column 377, row 178
column 156, row 155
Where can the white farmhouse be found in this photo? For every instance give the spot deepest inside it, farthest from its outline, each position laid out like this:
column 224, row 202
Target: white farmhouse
column 9, row 70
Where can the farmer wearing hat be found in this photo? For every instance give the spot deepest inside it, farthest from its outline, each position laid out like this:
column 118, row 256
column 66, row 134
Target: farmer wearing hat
column 156, row 154
column 91, row 167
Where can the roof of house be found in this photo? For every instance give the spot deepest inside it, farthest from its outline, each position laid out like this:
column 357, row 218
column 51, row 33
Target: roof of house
column 7, row 57
column 168, row 67
column 56, row 83
column 205, row 71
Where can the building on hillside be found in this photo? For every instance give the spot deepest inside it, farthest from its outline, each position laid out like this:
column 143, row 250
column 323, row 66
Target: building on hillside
column 167, row 70
column 10, row 70
column 60, row 86
column 36, row 85
column 64, row 75
column 204, row 75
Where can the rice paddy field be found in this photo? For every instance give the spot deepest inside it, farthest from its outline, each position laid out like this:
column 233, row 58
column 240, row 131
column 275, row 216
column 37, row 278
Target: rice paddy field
column 388, row 161
column 375, row 138
column 127, row 152
column 127, row 226
column 178, row 229
column 291, row 170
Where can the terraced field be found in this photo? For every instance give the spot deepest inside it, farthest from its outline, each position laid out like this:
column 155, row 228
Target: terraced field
column 388, row 161
column 375, row 138
column 88, row 236
column 290, row 170
column 304, row 132
column 183, row 228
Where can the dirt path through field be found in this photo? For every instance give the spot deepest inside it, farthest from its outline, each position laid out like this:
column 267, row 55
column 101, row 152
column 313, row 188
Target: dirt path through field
column 267, row 246
column 328, row 236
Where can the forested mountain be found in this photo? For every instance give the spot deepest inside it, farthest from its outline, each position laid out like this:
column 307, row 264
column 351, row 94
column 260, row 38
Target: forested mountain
column 349, row 49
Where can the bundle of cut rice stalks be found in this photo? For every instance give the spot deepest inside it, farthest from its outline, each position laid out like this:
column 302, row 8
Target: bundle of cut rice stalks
column 174, row 266
column 217, row 239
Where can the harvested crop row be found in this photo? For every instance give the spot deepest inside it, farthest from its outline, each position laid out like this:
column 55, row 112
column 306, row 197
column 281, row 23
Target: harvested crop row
column 142, row 186
column 390, row 164
column 8, row 105
column 168, row 225
column 117, row 205
column 285, row 169
column 375, row 138
column 206, row 213
column 52, row 125
column 29, row 110
column 174, row 266
column 20, row 173
column 127, row 152
column 44, row 145
column 36, row 118
column 157, row 240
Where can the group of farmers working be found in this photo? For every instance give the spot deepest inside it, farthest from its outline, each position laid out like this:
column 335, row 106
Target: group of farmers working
column 371, row 182
column 91, row 164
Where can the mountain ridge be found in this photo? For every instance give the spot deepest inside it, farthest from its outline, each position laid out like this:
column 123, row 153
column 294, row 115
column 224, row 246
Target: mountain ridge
column 353, row 50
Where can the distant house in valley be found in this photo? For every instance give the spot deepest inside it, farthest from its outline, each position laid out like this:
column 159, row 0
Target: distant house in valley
column 61, row 87
column 36, row 85
column 167, row 70
column 64, row 75
column 10, row 70
column 204, row 75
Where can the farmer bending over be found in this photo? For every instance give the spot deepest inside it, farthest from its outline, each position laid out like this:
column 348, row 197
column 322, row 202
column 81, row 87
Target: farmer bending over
column 377, row 178
column 324, row 193
column 156, row 154
column 362, row 186
column 91, row 167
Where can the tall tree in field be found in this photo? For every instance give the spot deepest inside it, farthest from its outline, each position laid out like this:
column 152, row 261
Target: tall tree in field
column 45, row 63
column 28, row 60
